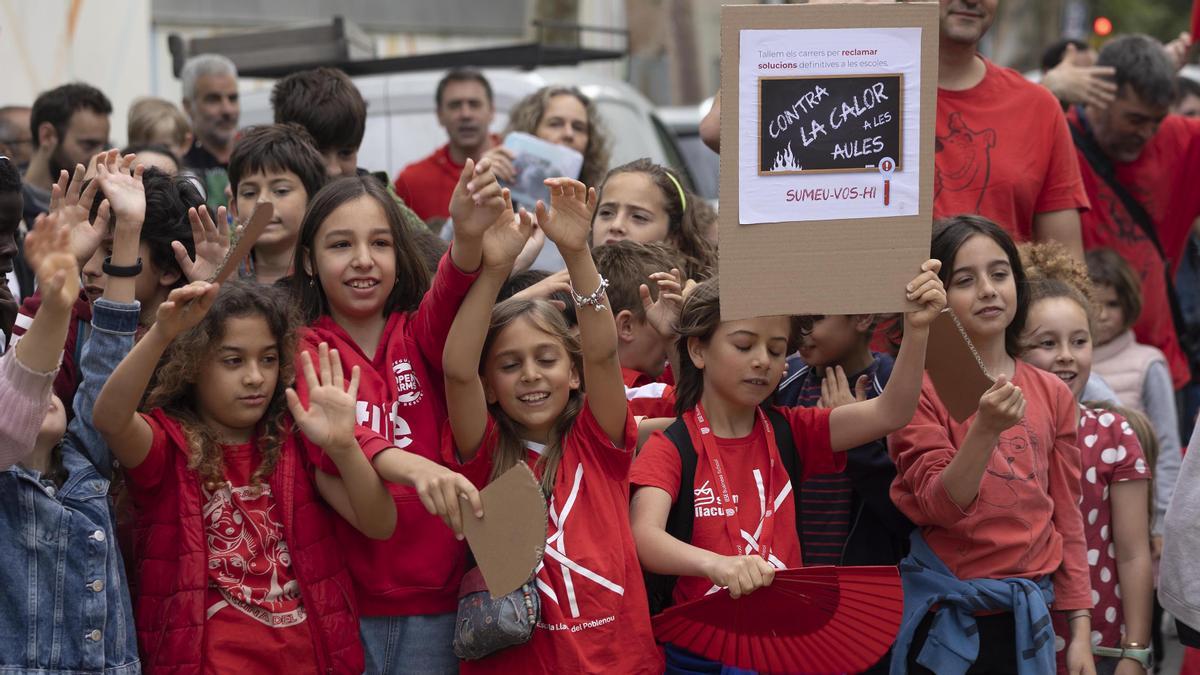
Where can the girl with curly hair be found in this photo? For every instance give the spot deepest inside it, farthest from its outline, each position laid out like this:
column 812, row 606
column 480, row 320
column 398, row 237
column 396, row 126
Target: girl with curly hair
column 1116, row 486
column 234, row 540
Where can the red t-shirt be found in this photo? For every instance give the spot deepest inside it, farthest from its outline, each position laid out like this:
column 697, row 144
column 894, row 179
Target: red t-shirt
column 595, row 618
column 1111, row 454
column 426, row 185
column 745, row 460
column 254, row 611
column 1161, row 179
column 1025, row 520
column 69, row 377
column 401, row 396
column 1003, row 150
column 651, row 400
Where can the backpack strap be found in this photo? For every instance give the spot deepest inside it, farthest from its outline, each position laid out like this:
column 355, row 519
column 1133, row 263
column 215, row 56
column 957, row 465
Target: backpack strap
column 1104, row 168
column 680, row 519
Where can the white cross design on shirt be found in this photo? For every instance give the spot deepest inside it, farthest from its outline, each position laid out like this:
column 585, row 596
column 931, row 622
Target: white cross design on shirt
column 556, row 549
column 752, row 545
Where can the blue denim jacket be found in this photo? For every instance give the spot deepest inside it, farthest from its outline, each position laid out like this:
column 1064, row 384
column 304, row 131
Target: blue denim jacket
column 62, row 580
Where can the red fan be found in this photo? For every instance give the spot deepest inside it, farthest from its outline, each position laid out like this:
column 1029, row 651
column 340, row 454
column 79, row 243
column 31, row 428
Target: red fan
column 809, row 620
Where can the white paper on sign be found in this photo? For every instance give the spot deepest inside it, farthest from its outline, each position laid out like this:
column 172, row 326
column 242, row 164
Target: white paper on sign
column 819, row 112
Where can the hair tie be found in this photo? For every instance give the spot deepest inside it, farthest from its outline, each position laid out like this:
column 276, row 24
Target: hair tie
column 682, row 198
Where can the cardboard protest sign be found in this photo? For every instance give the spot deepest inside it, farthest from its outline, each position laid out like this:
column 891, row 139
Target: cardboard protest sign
column 957, row 377
column 509, row 540
column 827, row 131
column 263, row 212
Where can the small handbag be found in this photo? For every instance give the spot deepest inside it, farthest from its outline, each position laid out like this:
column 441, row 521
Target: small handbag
column 485, row 625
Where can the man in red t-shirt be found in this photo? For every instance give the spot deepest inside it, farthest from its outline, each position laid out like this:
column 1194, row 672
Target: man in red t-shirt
column 1155, row 158
column 464, row 108
column 1002, row 147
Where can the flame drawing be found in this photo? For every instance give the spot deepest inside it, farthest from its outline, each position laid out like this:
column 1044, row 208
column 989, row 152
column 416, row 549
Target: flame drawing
column 786, row 161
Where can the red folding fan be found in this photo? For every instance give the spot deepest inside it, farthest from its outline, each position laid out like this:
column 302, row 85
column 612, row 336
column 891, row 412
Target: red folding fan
column 809, row 620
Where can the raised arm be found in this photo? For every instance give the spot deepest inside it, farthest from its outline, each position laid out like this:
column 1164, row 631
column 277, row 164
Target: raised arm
column 474, row 206
column 29, row 371
column 329, row 422
column 857, row 423
column 114, row 316
column 568, row 224
column 115, row 415
column 465, row 399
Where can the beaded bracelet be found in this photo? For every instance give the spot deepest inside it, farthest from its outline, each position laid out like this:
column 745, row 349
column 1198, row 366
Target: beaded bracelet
column 594, row 298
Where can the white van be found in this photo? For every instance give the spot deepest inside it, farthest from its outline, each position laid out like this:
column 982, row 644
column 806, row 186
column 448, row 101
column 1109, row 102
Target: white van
column 402, row 122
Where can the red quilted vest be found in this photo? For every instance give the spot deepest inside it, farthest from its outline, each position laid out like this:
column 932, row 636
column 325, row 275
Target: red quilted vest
column 172, row 560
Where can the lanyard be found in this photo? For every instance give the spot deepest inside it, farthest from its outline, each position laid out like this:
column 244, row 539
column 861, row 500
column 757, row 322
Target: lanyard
column 702, row 439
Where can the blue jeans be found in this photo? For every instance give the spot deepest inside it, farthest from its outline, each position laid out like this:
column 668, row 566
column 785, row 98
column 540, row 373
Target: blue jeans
column 400, row 645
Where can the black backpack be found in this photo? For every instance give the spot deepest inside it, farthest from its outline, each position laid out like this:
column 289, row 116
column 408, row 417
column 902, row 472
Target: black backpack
column 680, row 519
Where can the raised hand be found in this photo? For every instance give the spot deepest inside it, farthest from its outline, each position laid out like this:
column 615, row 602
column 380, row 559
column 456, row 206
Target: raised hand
column 663, row 314
column 72, row 203
column 329, row 421
column 1090, row 85
column 568, row 221
column 542, row 290
column 927, row 290
column 476, row 201
column 1001, row 406
column 506, row 238
column 48, row 251
column 533, row 248
column 835, row 389
column 125, row 193
column 184, row 308
column 212, row 244
column 1177, row 49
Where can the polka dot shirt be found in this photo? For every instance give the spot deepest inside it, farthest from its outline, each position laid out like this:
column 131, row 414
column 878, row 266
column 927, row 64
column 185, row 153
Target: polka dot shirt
column 1110, row 453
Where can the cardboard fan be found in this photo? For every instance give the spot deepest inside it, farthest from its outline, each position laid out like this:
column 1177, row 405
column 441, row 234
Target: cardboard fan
column 955, row 372
column 810, row 619
column 509, row 540
column 263, row 212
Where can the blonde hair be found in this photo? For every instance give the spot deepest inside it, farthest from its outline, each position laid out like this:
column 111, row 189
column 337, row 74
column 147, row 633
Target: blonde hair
column 157, row 121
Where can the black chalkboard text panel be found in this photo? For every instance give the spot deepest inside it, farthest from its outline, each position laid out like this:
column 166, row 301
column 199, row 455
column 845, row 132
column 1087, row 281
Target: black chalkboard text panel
column 829, row 123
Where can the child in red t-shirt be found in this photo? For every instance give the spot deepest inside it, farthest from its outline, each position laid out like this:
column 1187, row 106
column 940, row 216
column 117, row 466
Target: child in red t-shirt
column 235, row 552
column 995, row 497
column 514, row 389
column 727, row 371
column 1116, row 484
column 363, row 287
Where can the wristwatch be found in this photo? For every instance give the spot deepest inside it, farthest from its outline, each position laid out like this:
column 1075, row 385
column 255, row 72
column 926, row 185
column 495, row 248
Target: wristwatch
column 1130, row 650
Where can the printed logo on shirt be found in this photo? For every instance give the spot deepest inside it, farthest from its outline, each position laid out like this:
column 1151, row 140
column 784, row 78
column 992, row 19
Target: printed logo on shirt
column 372, row 416
column 704, row 496
column 408, row 387
column 964, row 163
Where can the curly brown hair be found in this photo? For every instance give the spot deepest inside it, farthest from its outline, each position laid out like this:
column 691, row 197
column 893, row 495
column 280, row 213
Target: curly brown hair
column 174, row 386
column 527, row 114
column 1052, row 272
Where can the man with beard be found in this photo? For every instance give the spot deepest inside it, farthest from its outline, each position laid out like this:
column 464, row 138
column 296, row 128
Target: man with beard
column 464, row 108
column 1002, row 147
column 1139, row 166
column 69, row 124
column 210, row 98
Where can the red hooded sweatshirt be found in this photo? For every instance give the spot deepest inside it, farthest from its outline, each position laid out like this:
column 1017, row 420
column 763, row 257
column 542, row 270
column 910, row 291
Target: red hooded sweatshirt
column 401, row 395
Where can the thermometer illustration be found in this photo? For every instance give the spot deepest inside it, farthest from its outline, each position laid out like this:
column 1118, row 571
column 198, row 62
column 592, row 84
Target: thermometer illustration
column 887, row 167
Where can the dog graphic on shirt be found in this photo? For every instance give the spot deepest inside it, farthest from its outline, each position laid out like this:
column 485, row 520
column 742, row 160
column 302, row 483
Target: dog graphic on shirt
column 962, row 159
